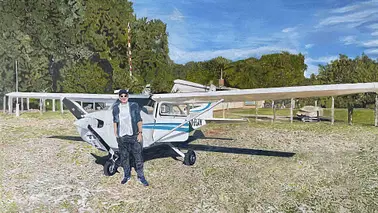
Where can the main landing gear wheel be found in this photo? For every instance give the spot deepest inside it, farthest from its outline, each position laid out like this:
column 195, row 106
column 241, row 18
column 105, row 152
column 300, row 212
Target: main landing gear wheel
column 110, row 168
column 190, row 158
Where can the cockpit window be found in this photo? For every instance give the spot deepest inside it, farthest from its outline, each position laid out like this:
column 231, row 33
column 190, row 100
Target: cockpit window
column 148, row 110
column 172, row 110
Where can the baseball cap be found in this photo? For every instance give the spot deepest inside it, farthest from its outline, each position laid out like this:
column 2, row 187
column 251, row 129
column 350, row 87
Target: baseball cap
column 123, row 91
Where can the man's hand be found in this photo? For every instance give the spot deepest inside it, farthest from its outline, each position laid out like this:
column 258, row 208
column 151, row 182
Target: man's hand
column 140, row 137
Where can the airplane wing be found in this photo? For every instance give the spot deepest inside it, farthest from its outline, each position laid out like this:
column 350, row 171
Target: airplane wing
column 276, row 93
column 85, row 97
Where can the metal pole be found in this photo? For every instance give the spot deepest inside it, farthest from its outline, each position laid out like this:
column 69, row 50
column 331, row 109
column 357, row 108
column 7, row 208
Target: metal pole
column 17, row 105
column 129, row 48
column 16, row 77
column 17, row 108
column 22, row 104
column 61, row 106
column 274, row 112
column 291, row 110
column 40, row 105
column 53, row 105
column 44, row 105
column 28, row 104
column 94, row 106
column 333, row 111
column 4, row 103
column 376, row 110
column 10, row 99
column 256, row 111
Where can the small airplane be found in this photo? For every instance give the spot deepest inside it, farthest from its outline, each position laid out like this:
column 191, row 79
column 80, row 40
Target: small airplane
column 165, row 122
column 170, row 118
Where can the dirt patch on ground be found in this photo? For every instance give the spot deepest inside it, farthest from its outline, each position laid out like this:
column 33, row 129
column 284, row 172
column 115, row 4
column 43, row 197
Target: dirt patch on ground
column 215, row 131
column 240, row 168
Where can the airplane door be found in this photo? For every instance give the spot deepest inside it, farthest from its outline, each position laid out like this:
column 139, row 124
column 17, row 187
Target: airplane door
column 169, row 116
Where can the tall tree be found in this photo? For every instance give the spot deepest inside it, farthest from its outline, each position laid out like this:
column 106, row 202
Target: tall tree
column 346, row 70
column 151, row 54
column 41, row 34
column 104, row 31
column 85, row 77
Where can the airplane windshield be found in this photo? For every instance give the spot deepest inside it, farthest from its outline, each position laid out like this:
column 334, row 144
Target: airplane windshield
column 167, row 109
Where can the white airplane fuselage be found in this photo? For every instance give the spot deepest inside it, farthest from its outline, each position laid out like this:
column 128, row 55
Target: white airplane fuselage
column 157, row 122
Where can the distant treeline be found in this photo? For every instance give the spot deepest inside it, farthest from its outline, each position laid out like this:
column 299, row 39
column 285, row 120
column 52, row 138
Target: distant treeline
column 81, row 46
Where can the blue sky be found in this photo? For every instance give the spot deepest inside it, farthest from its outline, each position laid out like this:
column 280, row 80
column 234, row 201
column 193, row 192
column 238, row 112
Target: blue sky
column 200, row 30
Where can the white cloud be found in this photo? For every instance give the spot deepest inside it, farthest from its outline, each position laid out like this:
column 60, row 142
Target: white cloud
column 312, row 63
column 372, row 43
column 176, row 15
column 355, row 18
column 345, row 9
column 349, row 19
column 288, row 30
column 372, row 51
column 324, row 59
column 352, row 15
column 311, row 69
column 182, row 56
column 308, row 46
column 373, row 26
column 353, row 7
column 349, row 40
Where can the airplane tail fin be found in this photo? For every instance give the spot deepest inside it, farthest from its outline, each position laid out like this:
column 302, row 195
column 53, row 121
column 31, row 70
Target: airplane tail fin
column 74, row 108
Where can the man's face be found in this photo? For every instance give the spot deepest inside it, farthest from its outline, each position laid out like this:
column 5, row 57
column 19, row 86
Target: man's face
column 124, row 98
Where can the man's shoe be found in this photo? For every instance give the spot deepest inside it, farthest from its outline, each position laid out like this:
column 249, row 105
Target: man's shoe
column 143, row 181
column 125, row 180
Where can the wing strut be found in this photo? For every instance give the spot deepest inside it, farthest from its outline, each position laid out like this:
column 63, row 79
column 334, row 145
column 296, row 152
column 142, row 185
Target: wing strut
column 102, row 141
column 189, row 119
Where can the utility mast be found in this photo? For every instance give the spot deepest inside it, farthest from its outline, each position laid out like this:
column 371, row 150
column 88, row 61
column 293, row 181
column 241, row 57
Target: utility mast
column 129, row 48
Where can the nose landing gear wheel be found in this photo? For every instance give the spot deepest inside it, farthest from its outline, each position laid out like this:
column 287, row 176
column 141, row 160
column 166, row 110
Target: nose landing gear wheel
column 110, row 168
column 190, row 158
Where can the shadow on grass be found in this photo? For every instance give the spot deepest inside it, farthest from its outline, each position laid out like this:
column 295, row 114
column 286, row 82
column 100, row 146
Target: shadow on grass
column 156, row 152
column 165, row 151
column 66, row 137
column 233, row 150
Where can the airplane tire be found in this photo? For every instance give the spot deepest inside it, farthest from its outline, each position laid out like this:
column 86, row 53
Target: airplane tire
column 190, row 158
column 110, row 168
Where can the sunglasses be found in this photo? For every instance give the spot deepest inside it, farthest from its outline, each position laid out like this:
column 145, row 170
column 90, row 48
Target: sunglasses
column 123, row 96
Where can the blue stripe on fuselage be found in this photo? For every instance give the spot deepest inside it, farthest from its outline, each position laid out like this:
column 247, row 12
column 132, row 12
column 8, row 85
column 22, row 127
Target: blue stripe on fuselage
column 164, row 124
column 200, row 110
column 167, row 128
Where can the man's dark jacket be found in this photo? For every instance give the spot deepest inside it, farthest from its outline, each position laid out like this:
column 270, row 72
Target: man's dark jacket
column 134, row 112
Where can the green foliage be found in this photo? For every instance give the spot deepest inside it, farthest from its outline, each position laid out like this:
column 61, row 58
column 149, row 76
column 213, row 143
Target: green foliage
column 85, row 77
column 345, row 70
column 273, row 70
column 150, row 54
column 205, row 72
column 82, row 46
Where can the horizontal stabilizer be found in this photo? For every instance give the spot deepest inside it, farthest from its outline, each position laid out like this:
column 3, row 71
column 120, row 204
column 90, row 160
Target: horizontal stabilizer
column 226, row 120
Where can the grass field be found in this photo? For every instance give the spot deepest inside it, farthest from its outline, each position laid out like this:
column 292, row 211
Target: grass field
column 250, row 167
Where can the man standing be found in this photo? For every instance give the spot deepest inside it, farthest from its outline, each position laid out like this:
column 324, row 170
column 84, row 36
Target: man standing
column 128, row 131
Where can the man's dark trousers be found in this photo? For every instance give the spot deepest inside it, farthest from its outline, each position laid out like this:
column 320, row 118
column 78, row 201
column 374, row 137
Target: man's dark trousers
column 129, row 145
